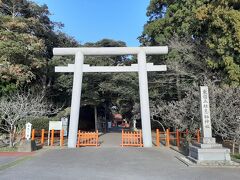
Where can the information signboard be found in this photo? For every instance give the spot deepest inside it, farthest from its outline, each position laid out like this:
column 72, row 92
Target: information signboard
column 65, row 125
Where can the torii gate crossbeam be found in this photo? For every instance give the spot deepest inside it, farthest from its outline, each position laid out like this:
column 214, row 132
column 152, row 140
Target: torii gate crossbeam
column 79, row 67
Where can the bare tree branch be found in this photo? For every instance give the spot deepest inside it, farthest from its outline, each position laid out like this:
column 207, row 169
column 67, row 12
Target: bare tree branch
column 15, row 109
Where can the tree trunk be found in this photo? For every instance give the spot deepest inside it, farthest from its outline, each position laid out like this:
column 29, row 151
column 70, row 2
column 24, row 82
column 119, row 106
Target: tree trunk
column 233, row 147
column 239, row 148
column 12, row 134
column 178, row 88
column 13, row 11
column 95, row 117
column 105, row 117
column 11, row 139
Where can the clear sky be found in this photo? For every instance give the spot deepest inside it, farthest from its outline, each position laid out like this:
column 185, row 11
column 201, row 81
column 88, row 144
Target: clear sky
column 93, row 20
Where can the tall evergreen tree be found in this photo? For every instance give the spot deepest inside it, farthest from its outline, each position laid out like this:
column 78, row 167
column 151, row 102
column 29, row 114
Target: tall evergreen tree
column 213, row 26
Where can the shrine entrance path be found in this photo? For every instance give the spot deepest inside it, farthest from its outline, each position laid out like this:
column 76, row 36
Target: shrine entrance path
column 112, row 163
column 111, row 139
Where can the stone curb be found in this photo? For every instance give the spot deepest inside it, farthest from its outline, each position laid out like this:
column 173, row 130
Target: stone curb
column 189, row 163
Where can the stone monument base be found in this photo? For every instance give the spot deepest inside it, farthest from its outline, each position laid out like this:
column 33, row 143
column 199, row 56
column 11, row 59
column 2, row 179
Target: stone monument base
column 27, row 146
column 208, row 151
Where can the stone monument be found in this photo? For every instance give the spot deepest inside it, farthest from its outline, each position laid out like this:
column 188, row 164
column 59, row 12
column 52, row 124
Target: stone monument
column 28, row 131
column 207, row 151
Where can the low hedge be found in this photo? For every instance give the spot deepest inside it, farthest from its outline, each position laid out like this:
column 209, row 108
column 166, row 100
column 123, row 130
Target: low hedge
column 237, row 156
column 41, row 123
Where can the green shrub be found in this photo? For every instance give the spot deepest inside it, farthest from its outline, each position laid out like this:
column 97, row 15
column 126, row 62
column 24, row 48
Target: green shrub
column 64, row 113
column 43, row 122
column 237, row 156
column 40, row 123
column 8, row 149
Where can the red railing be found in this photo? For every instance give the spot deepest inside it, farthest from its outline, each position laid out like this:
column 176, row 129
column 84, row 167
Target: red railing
column 56, row 136
column 175, row 136
column 132, row 138
column 87, row 139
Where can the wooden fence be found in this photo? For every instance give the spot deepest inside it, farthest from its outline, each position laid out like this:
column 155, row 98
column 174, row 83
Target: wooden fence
column 175, row 137
column 87, row 139
column 41, row 136
column 132, row 138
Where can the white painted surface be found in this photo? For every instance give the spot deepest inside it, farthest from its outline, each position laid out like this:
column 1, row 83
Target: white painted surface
column 205, row 112
column 56, row 125
column 132, row 68
column 28, row 131
column 76, row 98
column 65, row 125
column 144, row 100
column 111, row 50
column 109, row 125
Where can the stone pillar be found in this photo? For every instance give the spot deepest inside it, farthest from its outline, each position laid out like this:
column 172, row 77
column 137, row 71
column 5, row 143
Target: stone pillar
column 134, row 124
column 76, row 98
column 144, row 99
column 207, row 151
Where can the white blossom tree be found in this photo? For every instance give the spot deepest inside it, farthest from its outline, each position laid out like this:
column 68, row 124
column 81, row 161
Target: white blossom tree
column 225, row 112
column 182, row 114
column 15, row 109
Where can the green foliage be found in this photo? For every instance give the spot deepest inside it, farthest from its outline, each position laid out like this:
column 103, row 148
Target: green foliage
column 109, row 87
column 64, row 113
column 6, row 88
column 8, row 149
column 22, row 51
column 19, row 55
column 237, row 156
column 43, row 122
column 27, row 37
column 212, row 25
column 40, row 123
column 97, row 87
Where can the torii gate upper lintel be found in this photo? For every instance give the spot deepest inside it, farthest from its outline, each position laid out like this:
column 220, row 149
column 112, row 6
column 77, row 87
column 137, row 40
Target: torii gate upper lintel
column 142, row 68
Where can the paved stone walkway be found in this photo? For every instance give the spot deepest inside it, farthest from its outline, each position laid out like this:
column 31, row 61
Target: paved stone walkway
column 112, row 139
column 112, row 163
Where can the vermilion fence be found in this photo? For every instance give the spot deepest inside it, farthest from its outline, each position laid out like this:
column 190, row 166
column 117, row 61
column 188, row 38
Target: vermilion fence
column 55, row 137
column 132, row 138
column 129, row 138
column 175, row 137
column 87, row 138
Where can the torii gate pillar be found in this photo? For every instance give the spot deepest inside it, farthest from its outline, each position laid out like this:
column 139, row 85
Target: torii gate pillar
column 142, row 68
column 76, row 98
column 144, row 99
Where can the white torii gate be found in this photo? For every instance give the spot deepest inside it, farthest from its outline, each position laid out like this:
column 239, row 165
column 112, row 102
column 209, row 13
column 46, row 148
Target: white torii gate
column 79, row 67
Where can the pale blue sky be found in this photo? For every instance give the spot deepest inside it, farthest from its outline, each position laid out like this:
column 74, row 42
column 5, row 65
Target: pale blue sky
column 93, row 20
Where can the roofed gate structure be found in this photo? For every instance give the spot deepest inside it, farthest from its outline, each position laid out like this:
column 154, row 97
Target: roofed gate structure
column 142, row 68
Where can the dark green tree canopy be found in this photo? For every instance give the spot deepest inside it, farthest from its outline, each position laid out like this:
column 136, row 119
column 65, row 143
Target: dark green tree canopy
column 27, row 37
column 212, row 25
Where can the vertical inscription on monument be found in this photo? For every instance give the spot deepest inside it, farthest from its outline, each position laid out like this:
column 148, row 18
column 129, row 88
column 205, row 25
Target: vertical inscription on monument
column 205, row 112
column 28, row 131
